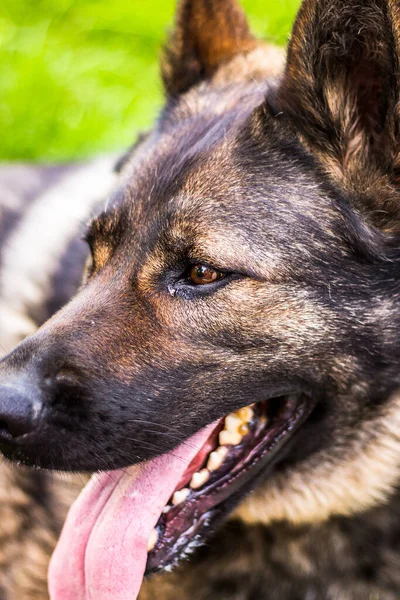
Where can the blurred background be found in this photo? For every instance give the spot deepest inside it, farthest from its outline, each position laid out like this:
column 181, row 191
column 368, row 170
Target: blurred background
column 79, row 77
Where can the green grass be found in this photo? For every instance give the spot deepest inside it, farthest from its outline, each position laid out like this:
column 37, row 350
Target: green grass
column 81, row 76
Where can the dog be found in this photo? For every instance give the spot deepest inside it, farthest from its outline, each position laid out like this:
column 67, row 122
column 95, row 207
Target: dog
column 228, row 368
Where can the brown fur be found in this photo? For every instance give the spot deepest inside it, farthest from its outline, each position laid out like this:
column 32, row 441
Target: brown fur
column 307, row 527
column 363, row 475
column 33, row 507
column 207, row 34
column 341, row 81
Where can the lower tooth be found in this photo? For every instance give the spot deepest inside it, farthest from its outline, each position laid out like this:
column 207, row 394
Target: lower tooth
column 214, row 461
column 222, row 451
column 199, row 479
column 180, row 496
column 216, row 458
column 152, row 540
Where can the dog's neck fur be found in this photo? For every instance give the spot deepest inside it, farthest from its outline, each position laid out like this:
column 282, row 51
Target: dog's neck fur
column 348, row 558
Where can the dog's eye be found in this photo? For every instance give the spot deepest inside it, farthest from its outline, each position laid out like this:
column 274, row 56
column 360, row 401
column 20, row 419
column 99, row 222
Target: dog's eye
column 204, row 274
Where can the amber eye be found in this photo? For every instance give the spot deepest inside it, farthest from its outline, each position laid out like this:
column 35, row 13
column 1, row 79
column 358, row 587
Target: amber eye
column 203, row 274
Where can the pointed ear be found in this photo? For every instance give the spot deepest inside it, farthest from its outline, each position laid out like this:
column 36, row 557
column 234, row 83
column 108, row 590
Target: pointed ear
column 207, row 34
column 341, row 85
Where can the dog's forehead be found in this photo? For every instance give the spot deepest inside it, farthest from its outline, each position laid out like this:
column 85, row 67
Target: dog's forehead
column 197, row 128
column 203, row 175
column 189, row 129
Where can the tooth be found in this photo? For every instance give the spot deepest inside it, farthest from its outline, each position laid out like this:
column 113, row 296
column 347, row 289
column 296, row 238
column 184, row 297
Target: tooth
column 166, row 509
column 152, row 540
column 232, row 423
column 243, row 429
column 245, row 414
column 227, row 438
column 261, row 423
column 222, row 451
column 215, row 460
column 199, row 479
column 180, row 496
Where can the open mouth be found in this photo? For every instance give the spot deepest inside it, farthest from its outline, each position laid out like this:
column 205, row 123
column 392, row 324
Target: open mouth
column 226, row 468
column 147, row 517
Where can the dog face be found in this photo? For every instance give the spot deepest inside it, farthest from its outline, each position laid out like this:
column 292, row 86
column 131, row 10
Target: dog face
column 248, row 257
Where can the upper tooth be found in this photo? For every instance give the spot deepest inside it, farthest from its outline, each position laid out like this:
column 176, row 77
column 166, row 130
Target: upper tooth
column 180, row 496
column 232, row 423
column 152, row 540
column 199, row 479
column 229, row 438
column 245, row 414
column 243, row 429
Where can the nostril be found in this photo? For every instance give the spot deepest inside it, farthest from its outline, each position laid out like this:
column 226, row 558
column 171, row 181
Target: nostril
column 15, row 426
column 4, row 428
column 20, row 411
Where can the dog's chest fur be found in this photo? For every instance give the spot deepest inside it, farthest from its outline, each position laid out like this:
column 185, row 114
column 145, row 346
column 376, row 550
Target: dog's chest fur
column 347, row 559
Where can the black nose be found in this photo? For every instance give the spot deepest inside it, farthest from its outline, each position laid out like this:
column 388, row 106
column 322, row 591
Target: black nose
column 20, row 410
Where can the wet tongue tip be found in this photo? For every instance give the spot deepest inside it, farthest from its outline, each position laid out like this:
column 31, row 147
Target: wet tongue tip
column 102, row 551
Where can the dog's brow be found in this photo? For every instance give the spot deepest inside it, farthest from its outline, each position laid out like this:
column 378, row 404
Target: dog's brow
column 105, row 226
column 220, row 247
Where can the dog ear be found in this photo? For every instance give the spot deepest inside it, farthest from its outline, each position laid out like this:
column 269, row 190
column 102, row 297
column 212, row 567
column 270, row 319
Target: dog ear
column 341, row 86
column 207, row 34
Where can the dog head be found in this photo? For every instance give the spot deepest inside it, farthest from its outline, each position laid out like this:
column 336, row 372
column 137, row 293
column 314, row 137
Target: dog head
column 247, row 260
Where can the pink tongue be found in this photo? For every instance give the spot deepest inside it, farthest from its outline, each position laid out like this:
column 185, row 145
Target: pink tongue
column 102, row 551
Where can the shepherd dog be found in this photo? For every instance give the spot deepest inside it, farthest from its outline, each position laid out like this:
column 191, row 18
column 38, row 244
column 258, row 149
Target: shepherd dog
column 217, row 364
